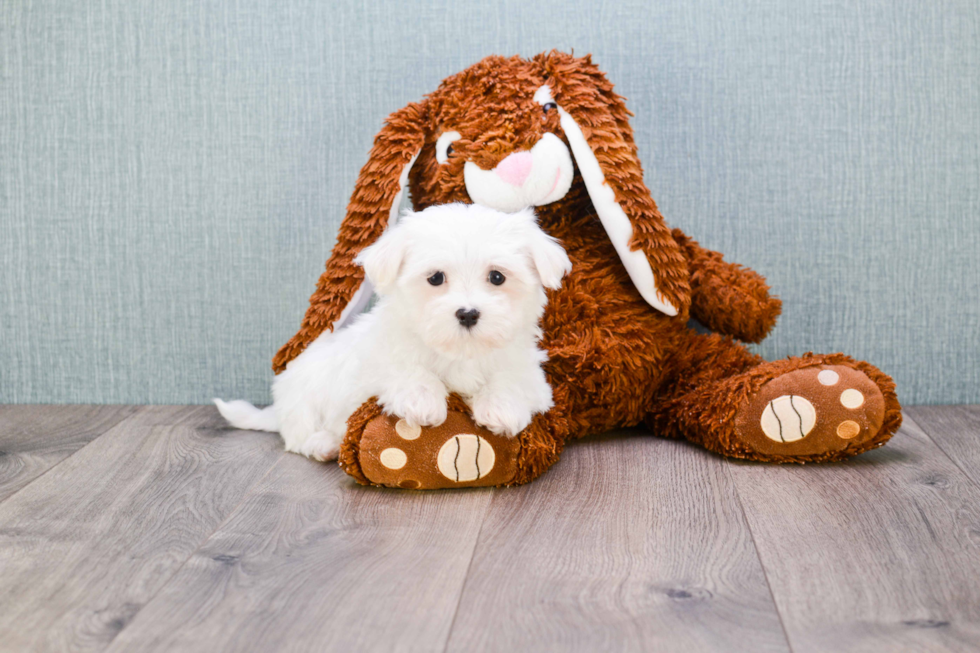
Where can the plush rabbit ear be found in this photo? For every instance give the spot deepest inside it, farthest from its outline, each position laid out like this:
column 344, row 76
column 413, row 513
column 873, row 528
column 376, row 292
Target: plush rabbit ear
column 596, row 123
column 342, row 291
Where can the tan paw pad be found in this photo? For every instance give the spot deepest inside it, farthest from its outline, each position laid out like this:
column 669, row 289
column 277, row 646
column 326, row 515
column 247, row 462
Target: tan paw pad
column 848, row 429
column 828, row 377
column 788, row 418
column 851, row 398
column 393, row 458
column 407, row 431
column 465, row 457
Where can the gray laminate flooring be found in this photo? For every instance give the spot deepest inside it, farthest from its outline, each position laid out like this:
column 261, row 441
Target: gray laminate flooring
column 159, row 529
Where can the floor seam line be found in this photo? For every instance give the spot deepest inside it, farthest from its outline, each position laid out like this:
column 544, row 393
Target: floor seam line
column 758, row 555
column 469, row 566
column 71, row 455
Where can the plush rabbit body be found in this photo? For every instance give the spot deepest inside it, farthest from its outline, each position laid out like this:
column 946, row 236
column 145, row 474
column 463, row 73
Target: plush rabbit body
column 549, row 132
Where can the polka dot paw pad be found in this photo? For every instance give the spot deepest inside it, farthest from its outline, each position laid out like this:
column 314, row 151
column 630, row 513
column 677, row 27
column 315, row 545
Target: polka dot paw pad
column 811, row 411
column 457, row 453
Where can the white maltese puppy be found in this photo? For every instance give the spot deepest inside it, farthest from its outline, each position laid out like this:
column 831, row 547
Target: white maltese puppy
column 461, row 295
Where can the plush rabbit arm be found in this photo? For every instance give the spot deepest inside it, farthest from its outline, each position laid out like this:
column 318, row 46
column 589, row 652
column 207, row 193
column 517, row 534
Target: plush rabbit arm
column 726, row 297
column 342, row 291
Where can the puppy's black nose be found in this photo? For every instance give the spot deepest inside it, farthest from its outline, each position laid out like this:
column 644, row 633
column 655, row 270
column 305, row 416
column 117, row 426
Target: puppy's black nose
column 467, row 317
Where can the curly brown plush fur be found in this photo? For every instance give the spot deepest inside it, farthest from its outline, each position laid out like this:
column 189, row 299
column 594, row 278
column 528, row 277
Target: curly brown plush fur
column 614, row 361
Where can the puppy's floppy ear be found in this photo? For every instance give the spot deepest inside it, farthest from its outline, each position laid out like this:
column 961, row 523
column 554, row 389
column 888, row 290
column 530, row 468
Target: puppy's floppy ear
column 342, row 292
column 596, row 123
column 382, row 261
column 548, row 256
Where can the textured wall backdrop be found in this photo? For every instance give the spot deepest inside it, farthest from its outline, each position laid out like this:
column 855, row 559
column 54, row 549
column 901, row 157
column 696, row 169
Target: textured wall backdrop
column 172, row 173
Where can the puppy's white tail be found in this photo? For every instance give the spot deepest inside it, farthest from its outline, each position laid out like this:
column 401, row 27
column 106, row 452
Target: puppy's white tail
column 243, row 415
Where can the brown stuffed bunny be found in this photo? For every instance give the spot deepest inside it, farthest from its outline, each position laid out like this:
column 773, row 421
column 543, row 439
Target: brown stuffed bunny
column 504, row 133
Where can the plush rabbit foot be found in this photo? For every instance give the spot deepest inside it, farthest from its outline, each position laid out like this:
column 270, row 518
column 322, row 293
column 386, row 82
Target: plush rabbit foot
column 382, row 449
column 818, row 412
column 457, row 453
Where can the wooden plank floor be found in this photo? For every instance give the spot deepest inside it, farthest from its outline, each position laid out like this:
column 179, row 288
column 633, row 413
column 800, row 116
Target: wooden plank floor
column 158, row 529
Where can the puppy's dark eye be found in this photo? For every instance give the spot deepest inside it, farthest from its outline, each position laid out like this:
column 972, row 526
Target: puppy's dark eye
column 450, row 150
column 437, row 279
column 497, row 279
column 549, row 106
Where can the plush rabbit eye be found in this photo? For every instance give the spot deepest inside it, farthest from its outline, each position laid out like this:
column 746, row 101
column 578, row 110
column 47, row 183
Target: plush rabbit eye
column 497, row 278
column 437, row 279
column 549, row 106
column 444, row 146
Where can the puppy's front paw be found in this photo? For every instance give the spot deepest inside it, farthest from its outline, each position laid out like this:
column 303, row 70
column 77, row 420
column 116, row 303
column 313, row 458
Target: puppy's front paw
column 419, row 407
column 501, row 414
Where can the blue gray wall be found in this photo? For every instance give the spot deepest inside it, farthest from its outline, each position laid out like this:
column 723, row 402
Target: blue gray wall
column 172, row 173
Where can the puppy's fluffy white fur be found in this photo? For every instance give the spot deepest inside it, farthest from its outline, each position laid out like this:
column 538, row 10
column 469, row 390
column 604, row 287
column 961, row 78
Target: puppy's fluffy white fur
column 412, row 348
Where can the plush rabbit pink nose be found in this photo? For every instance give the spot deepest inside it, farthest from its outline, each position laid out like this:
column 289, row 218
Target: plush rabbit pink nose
column 515, row 168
